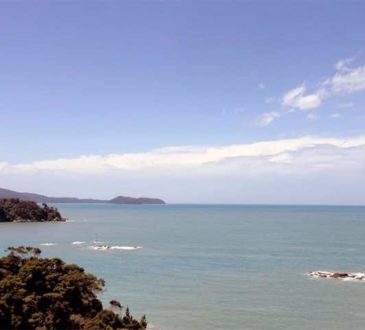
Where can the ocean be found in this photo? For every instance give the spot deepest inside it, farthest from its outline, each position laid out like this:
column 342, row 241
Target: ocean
column 205, row 267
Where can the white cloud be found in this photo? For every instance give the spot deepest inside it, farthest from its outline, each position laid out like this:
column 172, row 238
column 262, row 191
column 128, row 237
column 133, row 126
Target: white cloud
column 188, row 158
column 296, row 98
column 345, row 81
column 3, row 165
column 351, row 81
column 284, row 158
column 312, row 170
column 267, row 118
column 343, row 64
column 261, row 86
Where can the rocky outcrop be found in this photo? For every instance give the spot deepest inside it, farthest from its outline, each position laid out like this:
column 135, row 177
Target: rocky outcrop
column 338, row 275
column 16, row 210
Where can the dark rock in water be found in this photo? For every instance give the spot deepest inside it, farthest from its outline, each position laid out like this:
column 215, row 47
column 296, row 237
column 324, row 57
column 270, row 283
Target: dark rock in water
column 338, row 275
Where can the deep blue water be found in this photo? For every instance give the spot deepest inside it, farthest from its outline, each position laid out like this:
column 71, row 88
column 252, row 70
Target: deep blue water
column 216, row 267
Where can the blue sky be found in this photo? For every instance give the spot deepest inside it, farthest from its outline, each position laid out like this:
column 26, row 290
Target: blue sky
column 130, row 79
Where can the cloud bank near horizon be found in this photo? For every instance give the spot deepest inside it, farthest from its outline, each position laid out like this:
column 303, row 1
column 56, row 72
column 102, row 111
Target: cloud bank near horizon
column 314, row 170
column 291, row 153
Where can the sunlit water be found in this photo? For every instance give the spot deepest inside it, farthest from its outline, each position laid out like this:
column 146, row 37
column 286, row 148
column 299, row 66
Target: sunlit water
column 215, row 267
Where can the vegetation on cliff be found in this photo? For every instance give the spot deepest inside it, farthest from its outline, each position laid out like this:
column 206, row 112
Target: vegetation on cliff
column 48, row 294
column 14, row 209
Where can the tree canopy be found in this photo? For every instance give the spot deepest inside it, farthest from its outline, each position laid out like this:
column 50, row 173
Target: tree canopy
column 14, row 209
column 49, row 294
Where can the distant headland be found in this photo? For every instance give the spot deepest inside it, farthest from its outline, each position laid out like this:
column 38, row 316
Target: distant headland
column 6, row 193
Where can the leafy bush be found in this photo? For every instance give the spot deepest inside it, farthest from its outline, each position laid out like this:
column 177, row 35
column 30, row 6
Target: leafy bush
column 48, row 294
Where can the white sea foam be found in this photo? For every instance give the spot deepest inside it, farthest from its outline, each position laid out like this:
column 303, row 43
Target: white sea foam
column 78, row 242
column 152, row 327
column 48, row 244
column 119, row 247
column 105, row 247
column 99, row 247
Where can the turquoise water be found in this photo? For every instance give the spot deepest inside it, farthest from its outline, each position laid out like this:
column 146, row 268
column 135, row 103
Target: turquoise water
column 216, row 267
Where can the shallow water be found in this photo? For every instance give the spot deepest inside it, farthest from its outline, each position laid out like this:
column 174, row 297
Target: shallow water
column 215, row 267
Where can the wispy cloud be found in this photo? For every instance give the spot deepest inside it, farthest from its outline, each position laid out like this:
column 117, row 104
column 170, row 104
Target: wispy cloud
column 267, row 118
column 345, row 81
column 297, row 98
column 343, row 64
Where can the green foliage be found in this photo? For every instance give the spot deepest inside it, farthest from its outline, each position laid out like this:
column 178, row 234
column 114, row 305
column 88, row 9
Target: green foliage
column 48, row 294
column 13, row 209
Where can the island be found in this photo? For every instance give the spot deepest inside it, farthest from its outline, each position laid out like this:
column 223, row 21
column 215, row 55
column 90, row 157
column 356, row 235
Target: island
column 43, row 293
column 6, row 193
column 136, row 201
column 16, row 210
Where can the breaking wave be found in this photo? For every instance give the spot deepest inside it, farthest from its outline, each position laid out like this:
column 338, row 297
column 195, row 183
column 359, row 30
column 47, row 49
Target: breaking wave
column 114, row 247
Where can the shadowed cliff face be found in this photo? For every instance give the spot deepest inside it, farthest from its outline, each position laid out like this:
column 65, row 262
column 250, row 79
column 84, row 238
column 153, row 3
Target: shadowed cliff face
column 16, row 210
column 6, row 193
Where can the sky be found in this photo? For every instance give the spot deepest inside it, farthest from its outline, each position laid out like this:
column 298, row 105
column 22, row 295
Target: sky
column 190, row 101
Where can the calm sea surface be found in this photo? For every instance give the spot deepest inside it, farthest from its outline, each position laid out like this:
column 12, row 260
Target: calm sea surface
column 216, row 267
